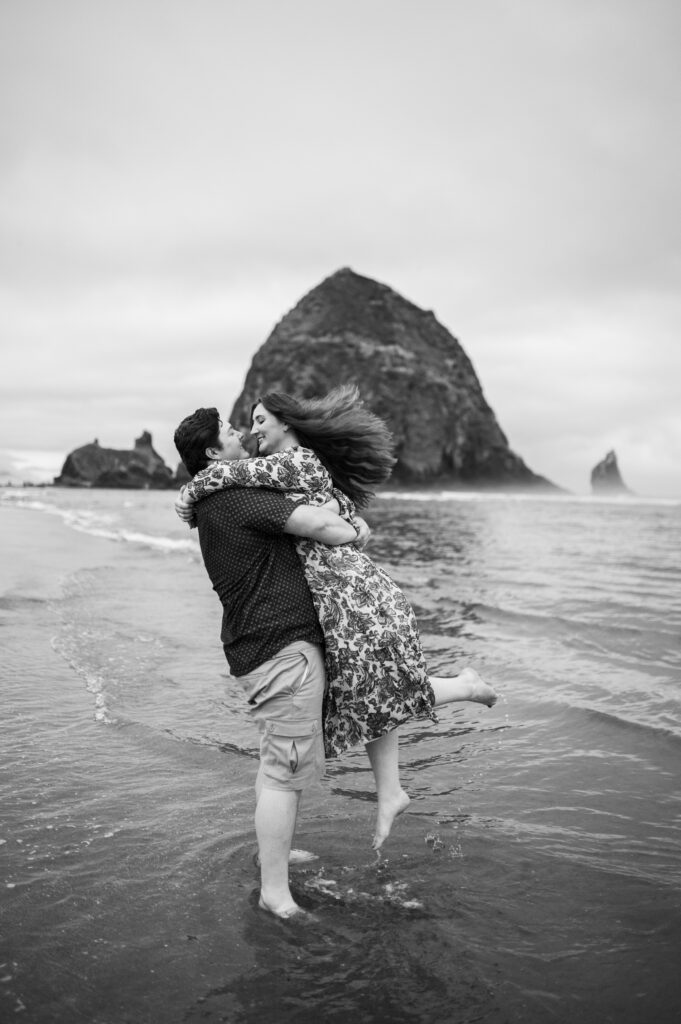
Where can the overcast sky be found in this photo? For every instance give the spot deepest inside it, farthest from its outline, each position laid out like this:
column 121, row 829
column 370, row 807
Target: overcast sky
column 176, row 175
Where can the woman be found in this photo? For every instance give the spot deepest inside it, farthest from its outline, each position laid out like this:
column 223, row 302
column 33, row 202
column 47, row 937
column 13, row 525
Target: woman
column 325, row 448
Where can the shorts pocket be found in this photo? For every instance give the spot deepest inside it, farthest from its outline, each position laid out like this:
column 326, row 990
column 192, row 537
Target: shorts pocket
column 302, row 672
column 292, row 753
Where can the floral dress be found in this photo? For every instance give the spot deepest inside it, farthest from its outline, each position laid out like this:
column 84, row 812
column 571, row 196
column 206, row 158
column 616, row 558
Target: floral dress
column 375, row 669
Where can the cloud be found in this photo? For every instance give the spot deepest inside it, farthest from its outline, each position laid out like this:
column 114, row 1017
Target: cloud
column 175, row 178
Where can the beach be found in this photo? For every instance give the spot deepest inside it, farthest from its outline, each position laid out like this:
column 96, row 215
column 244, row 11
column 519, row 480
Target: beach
column 536, row 875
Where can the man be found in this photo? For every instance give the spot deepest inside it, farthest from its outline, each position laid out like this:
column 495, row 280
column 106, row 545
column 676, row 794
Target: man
column 270, row 633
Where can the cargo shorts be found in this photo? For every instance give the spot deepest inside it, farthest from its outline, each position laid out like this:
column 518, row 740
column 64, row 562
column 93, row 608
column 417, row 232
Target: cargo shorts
column 285, row 696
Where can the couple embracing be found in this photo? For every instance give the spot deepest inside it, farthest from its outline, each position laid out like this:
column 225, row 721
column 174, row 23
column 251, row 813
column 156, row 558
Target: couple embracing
column 323, row 642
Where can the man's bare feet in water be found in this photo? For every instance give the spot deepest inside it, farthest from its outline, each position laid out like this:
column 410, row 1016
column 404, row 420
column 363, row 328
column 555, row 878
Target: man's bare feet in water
column 285, row 913
column 295, row 857
column 481, row 692
column 388, row 809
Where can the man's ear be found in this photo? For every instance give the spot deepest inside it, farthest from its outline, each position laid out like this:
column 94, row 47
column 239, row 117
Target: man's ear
column 212, row 453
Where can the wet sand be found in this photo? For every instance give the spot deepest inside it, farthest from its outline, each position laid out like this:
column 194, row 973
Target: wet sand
column 128, row 892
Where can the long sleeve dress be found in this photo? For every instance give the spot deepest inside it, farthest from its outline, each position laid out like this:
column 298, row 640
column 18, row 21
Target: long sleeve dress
column 375, row 669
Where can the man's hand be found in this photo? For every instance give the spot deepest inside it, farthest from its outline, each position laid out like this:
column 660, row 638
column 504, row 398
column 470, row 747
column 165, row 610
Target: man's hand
column 184, row 509
column 319, row 524
column 362, row 538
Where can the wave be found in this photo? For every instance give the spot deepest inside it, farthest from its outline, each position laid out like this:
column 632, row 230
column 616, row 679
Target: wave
column 133, row 537
column 625, row 500
column 100, row 524
column 65, row 644
column 621, row 720
column 550, row 624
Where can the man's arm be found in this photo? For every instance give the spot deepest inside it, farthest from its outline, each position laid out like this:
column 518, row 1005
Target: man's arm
column 319, row 524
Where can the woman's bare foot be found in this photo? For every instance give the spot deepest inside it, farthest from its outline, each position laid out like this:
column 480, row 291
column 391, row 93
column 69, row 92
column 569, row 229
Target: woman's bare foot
column 481, row 692
column 466, row 686
column 388, row 809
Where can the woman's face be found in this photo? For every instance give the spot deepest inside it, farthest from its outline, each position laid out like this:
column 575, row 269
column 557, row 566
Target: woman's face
column 271, row 433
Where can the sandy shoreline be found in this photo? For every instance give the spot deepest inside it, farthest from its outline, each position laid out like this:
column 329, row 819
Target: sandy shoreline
column 38, row 550
column 93, row 921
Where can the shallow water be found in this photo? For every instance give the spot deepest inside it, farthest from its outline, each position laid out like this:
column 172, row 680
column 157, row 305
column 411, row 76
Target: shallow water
column 535, row 876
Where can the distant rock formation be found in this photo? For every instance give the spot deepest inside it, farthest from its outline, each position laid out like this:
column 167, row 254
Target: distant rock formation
column 606, row 478
column 410, row 370
column 182, row 475
column 94, row 466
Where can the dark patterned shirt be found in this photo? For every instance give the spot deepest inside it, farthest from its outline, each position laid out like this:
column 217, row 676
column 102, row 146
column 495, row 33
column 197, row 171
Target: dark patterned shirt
column 256, row 573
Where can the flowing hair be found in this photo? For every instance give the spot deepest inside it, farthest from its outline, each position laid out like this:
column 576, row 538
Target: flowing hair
column 352, row 443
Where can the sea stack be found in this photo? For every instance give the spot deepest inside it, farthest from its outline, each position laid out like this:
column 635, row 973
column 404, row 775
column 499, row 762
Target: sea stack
column 606, row 477
column 410, row 371
column 94, row 466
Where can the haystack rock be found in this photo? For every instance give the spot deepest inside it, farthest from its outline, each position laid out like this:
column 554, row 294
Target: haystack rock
column 410, row 371
column 606, row 477
column 94, row 466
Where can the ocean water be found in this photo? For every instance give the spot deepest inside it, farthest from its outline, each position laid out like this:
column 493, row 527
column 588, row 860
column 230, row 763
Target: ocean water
column 536, row 875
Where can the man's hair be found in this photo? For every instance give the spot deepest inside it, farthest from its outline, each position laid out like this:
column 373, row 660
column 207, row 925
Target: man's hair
column 195, row 433
column 353, row 444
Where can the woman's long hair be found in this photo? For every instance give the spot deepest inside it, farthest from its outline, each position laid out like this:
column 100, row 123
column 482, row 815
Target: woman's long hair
column 353, row 444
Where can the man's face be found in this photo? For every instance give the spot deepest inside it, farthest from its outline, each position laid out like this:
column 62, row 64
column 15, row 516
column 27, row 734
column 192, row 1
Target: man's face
column 230, row 443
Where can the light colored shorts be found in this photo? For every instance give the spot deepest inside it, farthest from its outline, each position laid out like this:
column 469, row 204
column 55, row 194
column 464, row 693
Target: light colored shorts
column 286, row 694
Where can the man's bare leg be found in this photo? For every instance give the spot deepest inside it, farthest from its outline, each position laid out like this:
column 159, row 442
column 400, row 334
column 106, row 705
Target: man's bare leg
column 295, row 856
column 276, row 812
column 466, row 686
column 392, row 800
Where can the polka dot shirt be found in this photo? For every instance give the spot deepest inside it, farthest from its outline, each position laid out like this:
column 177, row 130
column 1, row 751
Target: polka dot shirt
column 256, row 573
